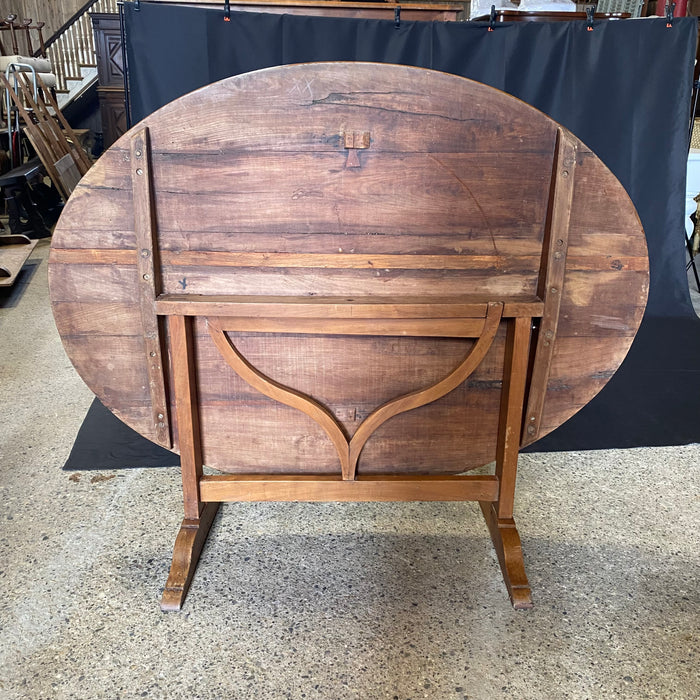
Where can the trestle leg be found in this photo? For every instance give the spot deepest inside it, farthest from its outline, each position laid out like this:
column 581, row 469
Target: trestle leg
column 506, row 542
column 188, row 546
column 499, row 514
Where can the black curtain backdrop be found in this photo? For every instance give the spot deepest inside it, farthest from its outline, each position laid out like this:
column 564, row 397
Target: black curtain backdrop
column 624, row 89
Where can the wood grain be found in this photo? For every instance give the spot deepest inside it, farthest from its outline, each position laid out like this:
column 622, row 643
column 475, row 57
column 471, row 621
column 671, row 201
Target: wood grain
column 440, row 206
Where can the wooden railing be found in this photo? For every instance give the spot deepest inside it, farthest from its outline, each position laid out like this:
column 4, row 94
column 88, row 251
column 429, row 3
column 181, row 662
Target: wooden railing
column 73, row 45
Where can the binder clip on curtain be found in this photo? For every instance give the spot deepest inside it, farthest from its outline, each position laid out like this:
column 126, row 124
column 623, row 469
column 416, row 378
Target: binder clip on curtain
column 670, row 7
column 492, row 18
column 227, row 10
column 590, row 12
column 397, row 16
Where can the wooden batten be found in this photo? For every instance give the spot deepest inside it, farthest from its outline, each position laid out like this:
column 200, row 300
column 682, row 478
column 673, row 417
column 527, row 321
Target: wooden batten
column 149, row 282
column 551, row 279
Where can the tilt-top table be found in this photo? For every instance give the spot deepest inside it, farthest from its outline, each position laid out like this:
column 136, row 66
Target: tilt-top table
column 347, row 282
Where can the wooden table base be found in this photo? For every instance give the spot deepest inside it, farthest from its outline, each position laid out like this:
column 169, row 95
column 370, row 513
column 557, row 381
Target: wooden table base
column 193, row 534
column 495, row 493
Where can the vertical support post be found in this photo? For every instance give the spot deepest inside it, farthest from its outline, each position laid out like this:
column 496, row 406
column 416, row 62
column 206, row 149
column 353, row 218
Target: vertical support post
column 184, row 380
column 510, row 417
column 499, row 514
column 198, row 516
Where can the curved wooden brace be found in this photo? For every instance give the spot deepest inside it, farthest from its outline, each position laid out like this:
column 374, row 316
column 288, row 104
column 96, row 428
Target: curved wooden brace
column 281, row 393
column 422, row 397
column 349, row 451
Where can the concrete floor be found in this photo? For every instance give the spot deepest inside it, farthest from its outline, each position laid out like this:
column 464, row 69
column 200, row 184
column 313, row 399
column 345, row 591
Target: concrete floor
column 330, row 601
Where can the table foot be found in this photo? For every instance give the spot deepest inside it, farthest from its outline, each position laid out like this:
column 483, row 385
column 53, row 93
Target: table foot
column 188, row 547
column 506, row 541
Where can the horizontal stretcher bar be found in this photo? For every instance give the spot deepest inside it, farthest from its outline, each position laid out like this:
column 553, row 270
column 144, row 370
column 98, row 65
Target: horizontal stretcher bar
column 427, row 327
column 327, row 488
column 350, row 307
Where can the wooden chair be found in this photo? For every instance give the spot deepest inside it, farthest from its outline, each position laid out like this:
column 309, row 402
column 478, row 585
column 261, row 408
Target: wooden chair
column 343, row 282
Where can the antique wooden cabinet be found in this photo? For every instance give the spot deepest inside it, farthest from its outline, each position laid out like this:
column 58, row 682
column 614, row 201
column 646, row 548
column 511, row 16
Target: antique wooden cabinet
column 110, row 75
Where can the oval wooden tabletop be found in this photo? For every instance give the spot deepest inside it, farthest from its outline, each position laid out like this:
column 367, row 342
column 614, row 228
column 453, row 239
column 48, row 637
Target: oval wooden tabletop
column 348, row 179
